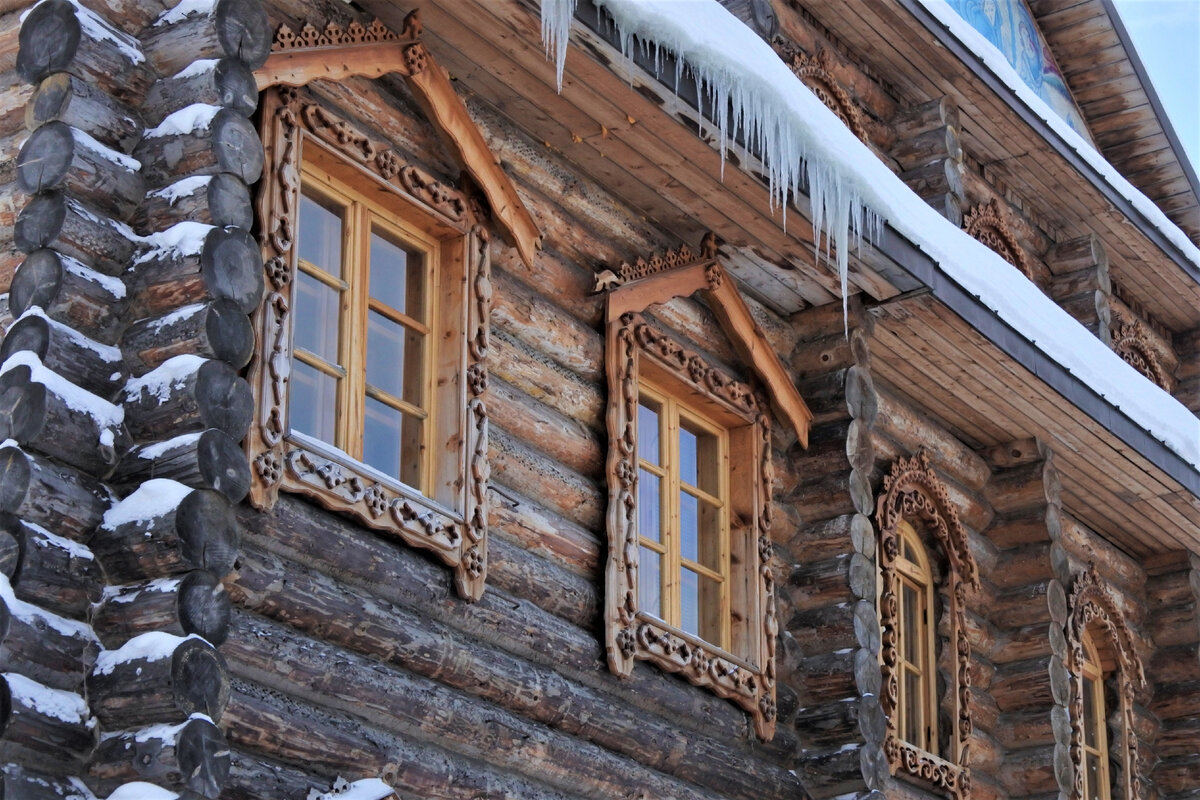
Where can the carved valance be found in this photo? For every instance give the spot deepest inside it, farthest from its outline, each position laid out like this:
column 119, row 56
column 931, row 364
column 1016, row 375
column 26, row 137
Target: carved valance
column 816, row 72
column 1131, row 342
column 986, row 223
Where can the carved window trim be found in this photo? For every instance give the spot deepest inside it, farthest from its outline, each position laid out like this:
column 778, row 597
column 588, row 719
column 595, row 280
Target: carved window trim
column 986, row 223
column 816, row 72
column 1131, row 342
column 455, row 531
column 913, row 494
column 632, row 345
column 1092, row 611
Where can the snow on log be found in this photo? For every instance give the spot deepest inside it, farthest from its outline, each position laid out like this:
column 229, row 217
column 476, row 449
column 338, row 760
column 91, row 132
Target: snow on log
column 34, row 641
column 201, row 30
column 211, row 459
column 140, row 790
column 41, row 725
column 225, row 82
column 158, row 677
column 65, row 98
column 367, row 789
column 47, row 413
column 19, row 783
column 185, row 395
column 201, row 139
column 194, row 263
column 96, row 367
column 50, row 571
column 57, row 156
column 53, row 220
column 222, row 200
column 164, row 529
column 70, row 293
column 51, row 495
column 191, row 756
column 219, row 330
column 196, row 603
column 60, row 36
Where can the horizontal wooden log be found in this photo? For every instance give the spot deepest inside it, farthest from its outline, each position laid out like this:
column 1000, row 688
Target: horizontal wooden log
column 823, row 630
column 1021, row 644
column 547, row 585
column 1114, row 565
column 229, row 28
column 829, row 538
column 826, row 497
column 948, row 205
column 1023, row 605
column 828, row 724
column 59, row 157
column 826, row 675
column 1020, row 489
column 164, row 529
column 222, row 200
column 926, row 147
column 211, row 459
column 60, row 36
column 188, row 394
column 46, row 413
column 62, row 97
column 1023, row 565
column 937, row 113
column 219, row 330
column 51, row 495
column 21, row 783
column 1082, row 281
column 834, row 772
column 79, row 297
column 53, row 220
column 1083, row 253
column 820, row 584
column 536, row 424
column 96, row 367
column 158, row 677
column 523, row 368
column 195, row 603
column 533, row 475
column 43, row 726
column 191, row 142
column 34, row 641
column 825, row 395
column 541, row 531
column 898, row 421
column 939, row 178
column 226, row 82
column 1030, row 772
column 50, row 571
column 252, row 775
column 191, row 756
column 1023, row 685
column 197, row 264
column 818, row 356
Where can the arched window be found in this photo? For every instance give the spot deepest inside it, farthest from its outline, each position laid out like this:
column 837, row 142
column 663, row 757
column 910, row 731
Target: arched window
column 1096, row 783
column 916, row 703
column 923, row 557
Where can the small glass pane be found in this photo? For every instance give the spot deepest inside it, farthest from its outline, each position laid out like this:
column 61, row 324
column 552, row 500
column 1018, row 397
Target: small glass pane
column 711, row 622
column 910, row 633
column 689, row 526
column 689, row 591
column 914, row 722
column 397, row 276
column 315, row 323
column 649, row 582
column 312, row 402
column 1089, row 713
column 393, row 359
column 392, row 442
column 649, row 506
column 1094, row 790
column 907, row 553
column 687, row 457
column 647, row 433
column 320, row 232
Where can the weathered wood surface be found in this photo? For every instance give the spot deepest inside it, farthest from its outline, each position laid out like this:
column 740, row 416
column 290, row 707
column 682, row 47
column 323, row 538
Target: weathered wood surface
column 70, row 293
column 54, row 734
column 55, row 497
column 228, row 142
column 222, row 200
column 194, row 603
column 225, row 265
column 90, row 365
column 226, row 82
column 190, row 396
column 36, row 642
column 192, row 756
column 230, row 28
column 57, row 156
column 60, row 223
column 51, row 572
column 63, row 97
column 218, row 329
column 211, row 459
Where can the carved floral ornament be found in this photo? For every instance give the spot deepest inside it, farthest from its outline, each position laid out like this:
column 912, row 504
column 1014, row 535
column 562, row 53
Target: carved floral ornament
column 1132, row 344
column 816, row 72
column 986, row 223
column 634, row 345
column 1093, row 608
column 913, row 493
column 457, row 533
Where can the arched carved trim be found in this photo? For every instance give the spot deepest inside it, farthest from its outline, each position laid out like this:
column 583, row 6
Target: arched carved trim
column 1132, row 344
column 913, row 493
column 816, row 72
column 986, row 223
column 1093, row 607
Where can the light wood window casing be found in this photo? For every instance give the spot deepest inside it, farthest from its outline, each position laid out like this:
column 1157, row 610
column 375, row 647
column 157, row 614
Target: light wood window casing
column 683, row 433
column 1096, row 783
column 916, row 704
column 374, row 338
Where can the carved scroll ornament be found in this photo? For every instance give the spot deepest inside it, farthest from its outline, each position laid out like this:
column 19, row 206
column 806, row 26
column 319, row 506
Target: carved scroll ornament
column 816, row 72
column 986, row 223
column 1132, row 344
column 1092, row 607
column 913, row 493
column 457, row 535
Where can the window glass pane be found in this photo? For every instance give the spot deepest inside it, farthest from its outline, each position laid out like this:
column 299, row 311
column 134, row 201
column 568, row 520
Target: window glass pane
column 394, row 359
column 908, row 553
column 711, row 622
column 687, row 456
column 647, row 432
column 649, row 582
column 689, row 595
column 910, row 632
column 1089, row 713
column 315, row 322
column 1092, row 776
column 320, row 232
column 649, row 506
column 710, row 536
column 312, row 402
column 382, row 431
column 689, row 526
column 397, row 275
column 914, row 722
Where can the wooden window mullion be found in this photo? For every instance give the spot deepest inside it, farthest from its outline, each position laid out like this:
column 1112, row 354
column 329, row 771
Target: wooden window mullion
column 672, row 535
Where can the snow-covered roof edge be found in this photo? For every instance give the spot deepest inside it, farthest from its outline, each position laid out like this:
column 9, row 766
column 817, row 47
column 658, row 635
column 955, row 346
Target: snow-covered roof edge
column 788, row 125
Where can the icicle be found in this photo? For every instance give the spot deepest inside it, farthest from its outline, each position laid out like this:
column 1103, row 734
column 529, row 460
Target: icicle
column 556, row 30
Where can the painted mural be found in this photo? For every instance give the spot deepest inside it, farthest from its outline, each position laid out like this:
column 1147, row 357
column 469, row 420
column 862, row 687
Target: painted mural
column 1009, row 25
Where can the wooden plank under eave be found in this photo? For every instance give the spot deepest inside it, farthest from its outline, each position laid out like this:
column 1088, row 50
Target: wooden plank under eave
column 1114, row 104
column 1052, row 22
column 1124, row 85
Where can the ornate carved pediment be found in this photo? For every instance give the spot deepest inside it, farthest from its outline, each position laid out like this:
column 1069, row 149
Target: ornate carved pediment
column 1092, row 607
column 335, row 52
column 913, row 493
column 1131, row 342
column 815, row 71
column 986, row 222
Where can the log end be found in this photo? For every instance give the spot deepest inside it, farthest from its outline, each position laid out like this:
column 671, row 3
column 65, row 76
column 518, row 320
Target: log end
column 225, row 399
column 223, row 465
column 244, row 30
column 209, row 531
column 200, row 679
column 231, row 264
column 40, row 222
column 204, row 607
column 48, row 40
column 46, row 156
column 36, row 282
column 230, row 333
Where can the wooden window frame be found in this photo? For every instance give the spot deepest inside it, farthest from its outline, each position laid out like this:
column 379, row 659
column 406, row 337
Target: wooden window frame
column 1090, row 668
column 637, row 352
column 449, row 520
column 919, row 576
column 1095, row 622
column 914, row 498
